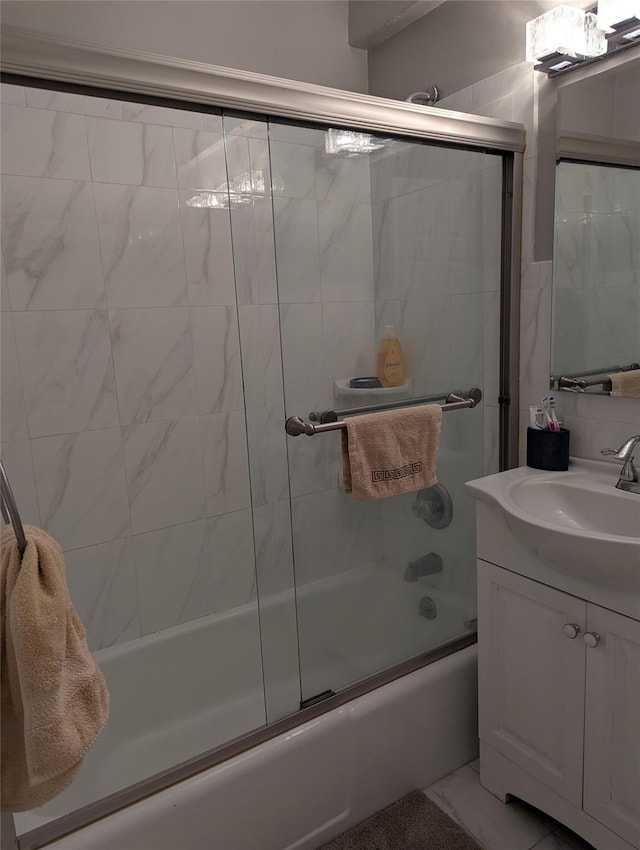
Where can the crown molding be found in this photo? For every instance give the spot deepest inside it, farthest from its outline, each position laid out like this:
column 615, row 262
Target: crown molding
column 45, row 57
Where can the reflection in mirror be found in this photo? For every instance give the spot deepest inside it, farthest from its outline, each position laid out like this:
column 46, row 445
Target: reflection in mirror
column 596, row 279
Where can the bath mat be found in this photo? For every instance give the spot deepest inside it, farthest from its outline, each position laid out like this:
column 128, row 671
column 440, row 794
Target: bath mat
column 412, row 823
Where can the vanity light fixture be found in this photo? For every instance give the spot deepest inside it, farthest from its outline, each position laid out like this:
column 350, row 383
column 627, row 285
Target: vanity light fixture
column 566, row 37
column 349, row 142
column 614, row 13
column 239, row 190
column 562, row 38
column 620, row 20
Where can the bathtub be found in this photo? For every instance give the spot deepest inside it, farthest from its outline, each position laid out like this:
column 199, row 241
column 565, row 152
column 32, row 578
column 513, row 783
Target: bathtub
column 308, row 784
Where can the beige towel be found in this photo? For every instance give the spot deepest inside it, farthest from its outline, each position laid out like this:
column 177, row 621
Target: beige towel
column 54, row 700
column 391, row 452
column 626, row 384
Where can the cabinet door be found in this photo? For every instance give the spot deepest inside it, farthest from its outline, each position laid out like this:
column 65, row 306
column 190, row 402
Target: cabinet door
column 531, row 673
column 612, row 724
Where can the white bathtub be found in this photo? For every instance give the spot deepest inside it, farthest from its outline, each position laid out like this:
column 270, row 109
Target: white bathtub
column 357, row 623
column 188, row 689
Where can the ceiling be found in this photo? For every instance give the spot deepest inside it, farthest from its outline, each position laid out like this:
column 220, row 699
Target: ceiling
column 373, row 21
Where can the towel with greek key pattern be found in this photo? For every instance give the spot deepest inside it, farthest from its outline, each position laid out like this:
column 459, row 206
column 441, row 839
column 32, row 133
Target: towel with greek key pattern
column 391, row 452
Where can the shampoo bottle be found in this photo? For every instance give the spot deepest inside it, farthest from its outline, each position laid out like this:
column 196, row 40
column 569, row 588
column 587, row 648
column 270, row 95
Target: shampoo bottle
column 390, row 359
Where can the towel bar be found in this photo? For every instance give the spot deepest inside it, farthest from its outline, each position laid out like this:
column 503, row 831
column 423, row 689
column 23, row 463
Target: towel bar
column 334, row 415
column 295, row 426
column 583, row 380
column 10, row 510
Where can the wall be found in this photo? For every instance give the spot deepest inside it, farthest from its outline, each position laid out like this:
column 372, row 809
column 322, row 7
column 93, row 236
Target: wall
column 127, row 375
column 436, row 272
column 123, row 411
column 519, row 94
column 452, row 47
column 616, row 94
column 150, row 284
column 487, row 76
column 373, row 21
column 298, row 40
column 363, row 241
column 596, row 320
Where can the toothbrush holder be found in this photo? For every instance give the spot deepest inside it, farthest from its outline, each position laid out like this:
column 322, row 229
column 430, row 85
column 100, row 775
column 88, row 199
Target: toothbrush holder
column 548, row 450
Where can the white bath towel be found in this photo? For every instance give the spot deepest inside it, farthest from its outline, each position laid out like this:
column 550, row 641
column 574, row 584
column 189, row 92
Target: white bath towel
column 626, row 384
column 391, row 452
column 54, row 700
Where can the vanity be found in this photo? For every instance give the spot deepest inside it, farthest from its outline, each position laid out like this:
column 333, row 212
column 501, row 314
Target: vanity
column 559, row 646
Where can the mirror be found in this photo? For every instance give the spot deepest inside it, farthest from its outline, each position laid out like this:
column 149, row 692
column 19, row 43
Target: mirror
column 596, row 250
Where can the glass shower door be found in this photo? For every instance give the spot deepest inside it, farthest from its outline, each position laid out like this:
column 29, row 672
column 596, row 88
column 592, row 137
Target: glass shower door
column 371, row 231
column 124, row 415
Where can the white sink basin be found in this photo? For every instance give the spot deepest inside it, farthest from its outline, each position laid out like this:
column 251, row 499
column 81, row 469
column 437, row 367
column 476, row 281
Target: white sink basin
column 576, row 521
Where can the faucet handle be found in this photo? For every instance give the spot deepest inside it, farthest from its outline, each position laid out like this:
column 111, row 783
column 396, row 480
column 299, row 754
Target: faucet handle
column 608, row 451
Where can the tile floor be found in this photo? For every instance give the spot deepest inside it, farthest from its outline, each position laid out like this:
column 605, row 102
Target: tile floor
column 494, row 825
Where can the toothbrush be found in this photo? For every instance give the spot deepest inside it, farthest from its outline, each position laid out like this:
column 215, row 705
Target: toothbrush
column 553, row 424
column 551, row 420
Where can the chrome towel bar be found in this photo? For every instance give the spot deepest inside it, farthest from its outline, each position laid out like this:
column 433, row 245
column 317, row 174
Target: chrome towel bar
column 583, row 380
column 334, row 415
column 10, row 511
column 295, row 426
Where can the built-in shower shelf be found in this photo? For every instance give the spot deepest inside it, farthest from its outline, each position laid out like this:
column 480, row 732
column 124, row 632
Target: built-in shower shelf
column 342, row 390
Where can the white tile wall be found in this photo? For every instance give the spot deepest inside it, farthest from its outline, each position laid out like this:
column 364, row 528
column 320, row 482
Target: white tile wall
column 434, row 276
column 50, row 244
column 67, row 469
column 67, row 373
column 141, row 245
column 123, row 420
column 14, row 420
column 594, row 422
column 104, row 591
column 226, row 468
column 206, row 234
column 43, row 143
column 153, row 358
column 346, row 266
column 165, row 481
column 18, row 464
column 217, row 359
column 436, row 252
column 297, row 249
column 134, row 154
column 200, row 159
column 128, row 365
column 596, row 268
column 175, row 575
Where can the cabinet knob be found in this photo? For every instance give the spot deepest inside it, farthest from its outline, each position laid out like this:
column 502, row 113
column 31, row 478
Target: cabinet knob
column 591, row 638
column 571, row 630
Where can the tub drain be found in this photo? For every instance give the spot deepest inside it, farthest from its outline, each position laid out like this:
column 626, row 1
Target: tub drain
column 428, row 608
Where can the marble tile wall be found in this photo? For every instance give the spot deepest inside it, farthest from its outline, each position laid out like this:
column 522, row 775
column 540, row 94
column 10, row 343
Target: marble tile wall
column 398, row 236
column 324, row 255
column 123, row 414
column 437, row 280
column 161, row 312
column 595, row 422
column 596, row 315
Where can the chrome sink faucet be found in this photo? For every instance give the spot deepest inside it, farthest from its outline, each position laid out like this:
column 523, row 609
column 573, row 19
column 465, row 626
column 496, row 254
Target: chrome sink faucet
column 628, row 480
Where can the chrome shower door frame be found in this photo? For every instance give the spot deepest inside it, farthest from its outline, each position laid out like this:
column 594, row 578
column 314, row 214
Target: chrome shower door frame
column 41, row 60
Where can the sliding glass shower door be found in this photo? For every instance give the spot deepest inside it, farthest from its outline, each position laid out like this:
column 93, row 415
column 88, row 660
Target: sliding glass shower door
column 176, row 283
column 372, row 231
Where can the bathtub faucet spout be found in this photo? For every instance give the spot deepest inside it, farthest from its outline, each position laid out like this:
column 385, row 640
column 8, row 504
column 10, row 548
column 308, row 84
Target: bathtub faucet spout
column 427, row 565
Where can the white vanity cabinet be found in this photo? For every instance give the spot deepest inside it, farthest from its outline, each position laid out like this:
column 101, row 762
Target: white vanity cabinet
column 612, row 723
column 559, row 703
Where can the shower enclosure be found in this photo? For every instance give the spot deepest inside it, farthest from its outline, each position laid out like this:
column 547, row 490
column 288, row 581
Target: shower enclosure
column 180, row 275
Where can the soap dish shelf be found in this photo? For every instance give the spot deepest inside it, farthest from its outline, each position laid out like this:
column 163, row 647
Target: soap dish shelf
column 342, row 391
